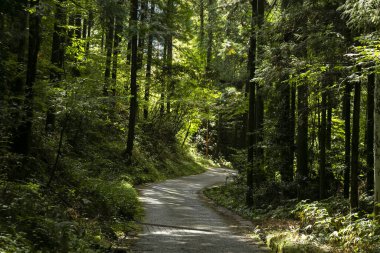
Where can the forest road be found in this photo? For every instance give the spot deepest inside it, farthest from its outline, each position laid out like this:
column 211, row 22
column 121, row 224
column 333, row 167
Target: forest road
column 178, row 219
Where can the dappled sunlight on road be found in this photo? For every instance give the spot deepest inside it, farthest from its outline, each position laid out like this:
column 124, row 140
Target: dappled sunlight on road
column 177, row 220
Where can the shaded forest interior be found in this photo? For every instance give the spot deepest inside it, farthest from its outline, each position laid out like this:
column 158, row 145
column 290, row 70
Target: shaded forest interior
column 99, row 96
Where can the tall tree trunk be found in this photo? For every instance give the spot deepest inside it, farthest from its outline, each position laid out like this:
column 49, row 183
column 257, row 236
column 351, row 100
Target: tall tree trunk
column 286, row 124
column 202, row 23
column 302, row 133
column 330, row 105
column 134, row 68
column 17, row 85
column 116, row 52
column 22, row 142
column 70, row 33
column 347, row 138
column 78, row 26
column 211, row 13
column 149, row 66
column 109, row 47
column 370, row 132
column 377, row 147
column 169, row 60
column 89, row 29
column 286, row 135
column 163, row 86
column 322, row 147
column 259, row 106
column 251, row 111
column 141, row 41
column 57, row 59
column 354, row 194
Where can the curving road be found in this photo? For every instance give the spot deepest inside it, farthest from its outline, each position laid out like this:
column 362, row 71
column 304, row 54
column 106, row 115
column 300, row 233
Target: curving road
column 178, row 220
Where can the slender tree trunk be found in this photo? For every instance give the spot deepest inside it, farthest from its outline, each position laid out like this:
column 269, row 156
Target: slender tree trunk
column 116, row 52
column 17, row 85
column 377, row 147
column 141, row 41
column 330, row 105
column 286, row 133
column 134, row 68
column 84, row 28
column 109, row 47
column 169, row 60
column 57, row 59
column 163, row 87
column 259, row 106
column 302, row 133
column 22, row 143
column 169, row 65
column 370, row 132
column 89, row 29
column 70, row 33
column 251, row 111
column 211, row 13
column 322, row 147
column 286, row 120
column 149, row 66
column 292, row 123
column 347, row 138
column 202, row 24
column 78, row 26
column 354, row 194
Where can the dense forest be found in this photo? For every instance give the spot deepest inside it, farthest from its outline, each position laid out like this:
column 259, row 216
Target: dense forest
column 100, row 96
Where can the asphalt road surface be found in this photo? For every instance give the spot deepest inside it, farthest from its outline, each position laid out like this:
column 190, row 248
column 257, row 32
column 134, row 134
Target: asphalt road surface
column 178, row 220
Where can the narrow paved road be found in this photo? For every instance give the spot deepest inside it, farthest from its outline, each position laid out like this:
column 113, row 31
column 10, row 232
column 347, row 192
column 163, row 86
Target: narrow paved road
column 178, row 220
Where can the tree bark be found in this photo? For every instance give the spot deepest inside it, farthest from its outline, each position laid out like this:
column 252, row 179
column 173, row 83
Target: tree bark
column 347, row 138
column 116, row 52
column 377, row 147
column 210, row 34
column 109, row 49
column 251, row 110
column 149, row 66
column 89, row 29
column 302, row 133
column 169, row 60
column 259, row 106
column 134, row 68
column 57, row 59
column 354, row 193
column 202, row 24
column 141, row 37
column 370, row 132
column 322, row 147
column 22, row 143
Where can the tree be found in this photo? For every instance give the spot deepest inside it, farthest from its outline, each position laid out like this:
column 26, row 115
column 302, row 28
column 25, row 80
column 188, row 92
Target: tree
column 377, row 146
column 57, row 58
column 251, row 120
column 22, row 142
column 149, row 64
column 354, row 194
column 134, row 67
column 347, row 138
column 322, row 146
column 370, row 131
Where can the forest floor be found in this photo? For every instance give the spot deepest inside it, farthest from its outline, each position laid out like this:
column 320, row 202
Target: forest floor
column 178, row 219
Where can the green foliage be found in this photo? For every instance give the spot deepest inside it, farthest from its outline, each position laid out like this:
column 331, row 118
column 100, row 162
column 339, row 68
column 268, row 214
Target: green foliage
column 331, row 222
column 319, row 223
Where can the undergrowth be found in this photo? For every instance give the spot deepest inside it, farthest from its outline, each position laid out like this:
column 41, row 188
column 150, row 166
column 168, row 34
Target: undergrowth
column 303, row 226
column 86, row 201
